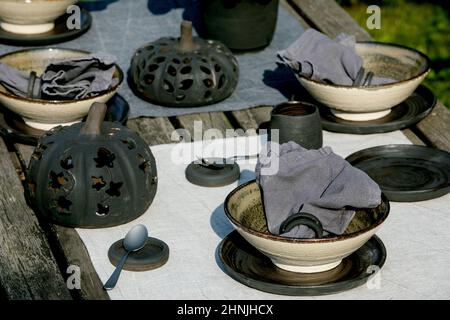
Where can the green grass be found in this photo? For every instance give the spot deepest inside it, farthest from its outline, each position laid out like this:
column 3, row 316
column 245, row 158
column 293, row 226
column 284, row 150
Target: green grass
column 423, row 26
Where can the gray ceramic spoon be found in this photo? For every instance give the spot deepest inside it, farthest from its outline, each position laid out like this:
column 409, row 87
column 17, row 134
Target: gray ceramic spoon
column 135, row 240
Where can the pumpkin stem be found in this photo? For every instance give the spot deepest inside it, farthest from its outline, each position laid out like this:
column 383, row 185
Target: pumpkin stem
column 93, row 124
column 186, row 40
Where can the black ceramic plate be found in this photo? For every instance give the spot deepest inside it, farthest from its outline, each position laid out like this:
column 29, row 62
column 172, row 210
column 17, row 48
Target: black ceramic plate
column 59, row 34
column 406, row 173
column 14, row 128
column 245, row 264
column 405, row 114
column 154, row 255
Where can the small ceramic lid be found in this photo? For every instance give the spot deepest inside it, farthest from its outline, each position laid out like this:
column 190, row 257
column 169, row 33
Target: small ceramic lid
column 154, row 255
column 211, row 176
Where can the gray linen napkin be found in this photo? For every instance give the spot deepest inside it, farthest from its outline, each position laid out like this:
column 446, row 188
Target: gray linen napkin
column 316, row 56
column 78, row 78
column 318, row 182
column 68, row 79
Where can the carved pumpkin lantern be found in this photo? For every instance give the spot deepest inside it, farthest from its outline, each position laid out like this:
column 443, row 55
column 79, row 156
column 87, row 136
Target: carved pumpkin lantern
column 184, row 72
column 92, row 175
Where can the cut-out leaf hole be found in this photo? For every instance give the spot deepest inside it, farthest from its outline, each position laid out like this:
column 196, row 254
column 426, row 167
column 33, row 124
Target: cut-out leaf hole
column 172, row 71
column 57, row 180
column 175, row 60
column 186, row 70
column 149, row 78
column 105, row 158
column 208, row 83
column 168, row 86
column 67, row 163
column 131, row 144
column 207, row 94
column 186, row 84
column 152, row 67
column 160, row 59
column 102, row 210
column 221, row 81
column 63, row 204
column 205, row 70
column 187, row 60
column 217, row 68
column 114, row 189
column 143, row 164
column 98, row 183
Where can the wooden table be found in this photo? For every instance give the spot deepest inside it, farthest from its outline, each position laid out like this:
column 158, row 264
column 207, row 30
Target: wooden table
column 35, row 254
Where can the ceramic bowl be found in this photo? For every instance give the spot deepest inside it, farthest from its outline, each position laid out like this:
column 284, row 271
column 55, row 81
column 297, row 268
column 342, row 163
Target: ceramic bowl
column 407, row 66
column 31, row 16
column 244, row 209
column 46, row 114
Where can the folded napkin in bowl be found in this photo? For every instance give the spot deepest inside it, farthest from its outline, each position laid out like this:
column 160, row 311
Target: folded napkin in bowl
column 317, row 182
column 68, row 79
column 316, row 56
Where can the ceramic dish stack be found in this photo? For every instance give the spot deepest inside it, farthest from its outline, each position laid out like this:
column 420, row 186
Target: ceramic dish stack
column 377, row 108
column 40, row 22
column 298, row 266
column 45, row 114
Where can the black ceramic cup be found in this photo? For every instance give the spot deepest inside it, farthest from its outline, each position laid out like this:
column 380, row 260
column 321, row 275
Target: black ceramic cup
column 240, row 24
column 299, row 122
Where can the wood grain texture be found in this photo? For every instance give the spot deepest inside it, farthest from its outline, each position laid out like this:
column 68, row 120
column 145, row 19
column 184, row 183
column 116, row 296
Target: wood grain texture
column 28, row 269
column 436, row 127
column 71, row 248
column 252, row 118
column 328, row 17
column 152, row 130
column 209, row 120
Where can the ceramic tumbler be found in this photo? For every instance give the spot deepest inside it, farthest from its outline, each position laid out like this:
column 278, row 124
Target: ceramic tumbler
column 299, row 122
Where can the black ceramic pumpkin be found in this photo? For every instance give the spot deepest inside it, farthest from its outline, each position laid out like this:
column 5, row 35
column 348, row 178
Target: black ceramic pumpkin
column 185, row 71
column 93, row 174
column 240, row 24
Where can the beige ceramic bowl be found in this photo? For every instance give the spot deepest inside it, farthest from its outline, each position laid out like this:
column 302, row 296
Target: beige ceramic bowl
column 408, row 66
column 46, row 114
column 244, row 209
column 31, row 16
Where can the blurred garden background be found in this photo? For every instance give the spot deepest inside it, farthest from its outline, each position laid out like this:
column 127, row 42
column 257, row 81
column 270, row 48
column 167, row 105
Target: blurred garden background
column 423, row 25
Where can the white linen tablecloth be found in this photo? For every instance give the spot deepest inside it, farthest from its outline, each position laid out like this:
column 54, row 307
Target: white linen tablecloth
column 190, row 219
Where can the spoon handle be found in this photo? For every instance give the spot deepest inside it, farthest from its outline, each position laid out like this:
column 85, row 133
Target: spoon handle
column 111, row 283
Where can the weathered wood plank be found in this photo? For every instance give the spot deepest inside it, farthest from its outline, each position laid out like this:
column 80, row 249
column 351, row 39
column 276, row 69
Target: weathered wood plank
column 252, row 118
column 209, row 120
column 71, row 248
column 28, row 269
column 436, row 127
column 328, row 17
column 152, row 130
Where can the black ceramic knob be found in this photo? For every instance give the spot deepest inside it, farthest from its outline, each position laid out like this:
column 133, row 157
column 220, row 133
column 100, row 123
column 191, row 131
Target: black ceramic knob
column 92, row 175
column 185, row 71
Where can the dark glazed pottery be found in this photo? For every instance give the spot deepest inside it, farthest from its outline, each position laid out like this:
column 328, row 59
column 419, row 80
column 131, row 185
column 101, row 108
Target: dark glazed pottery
column 299, row 122
column 153, row 255
column 91, row 175
column 240, row 24
column 245, row 264
column 406, row 173
column 184, row 72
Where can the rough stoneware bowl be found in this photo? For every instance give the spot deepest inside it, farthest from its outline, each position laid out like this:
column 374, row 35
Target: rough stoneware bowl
column 408, row 66
column 244, row 208
column 46, row 114
column 31, row 16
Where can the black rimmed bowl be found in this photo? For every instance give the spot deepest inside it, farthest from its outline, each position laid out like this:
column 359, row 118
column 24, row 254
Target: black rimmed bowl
column 408, row 67
column 46, row 114
column 244, row 208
